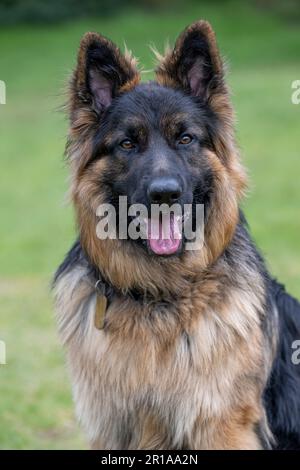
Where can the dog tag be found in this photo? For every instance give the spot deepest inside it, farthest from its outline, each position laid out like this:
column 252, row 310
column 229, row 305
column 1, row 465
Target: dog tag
column 101, row 304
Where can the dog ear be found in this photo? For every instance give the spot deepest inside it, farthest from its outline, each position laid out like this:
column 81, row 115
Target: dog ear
column 194, row 64
column 102, row 72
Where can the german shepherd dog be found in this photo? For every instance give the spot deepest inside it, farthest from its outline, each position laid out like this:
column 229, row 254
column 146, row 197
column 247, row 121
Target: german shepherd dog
column 170, row 348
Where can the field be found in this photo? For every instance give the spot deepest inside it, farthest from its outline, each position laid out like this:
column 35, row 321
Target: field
column 37, row 225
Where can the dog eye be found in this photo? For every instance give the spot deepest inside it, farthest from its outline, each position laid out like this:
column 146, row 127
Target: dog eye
column 127, row 144
column 185, row 139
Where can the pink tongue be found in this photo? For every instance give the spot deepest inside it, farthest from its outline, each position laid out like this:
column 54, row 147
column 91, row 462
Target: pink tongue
column 164, row 236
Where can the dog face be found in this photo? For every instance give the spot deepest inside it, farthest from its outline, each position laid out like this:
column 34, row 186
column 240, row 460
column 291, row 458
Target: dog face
column 163, row 142
column 152, row 139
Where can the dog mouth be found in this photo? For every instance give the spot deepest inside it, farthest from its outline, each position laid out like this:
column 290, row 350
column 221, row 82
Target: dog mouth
column 164, row 234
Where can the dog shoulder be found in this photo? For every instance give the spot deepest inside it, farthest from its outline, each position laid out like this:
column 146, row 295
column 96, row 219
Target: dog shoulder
column 73, row 291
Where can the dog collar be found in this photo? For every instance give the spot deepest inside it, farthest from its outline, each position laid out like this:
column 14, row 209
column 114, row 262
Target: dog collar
column 105, row 294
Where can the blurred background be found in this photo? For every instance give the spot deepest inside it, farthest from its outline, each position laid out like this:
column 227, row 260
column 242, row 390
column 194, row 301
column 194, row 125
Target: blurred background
column 260, row 41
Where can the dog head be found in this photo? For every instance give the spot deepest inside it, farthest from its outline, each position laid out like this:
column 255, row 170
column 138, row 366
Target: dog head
column 167, row 142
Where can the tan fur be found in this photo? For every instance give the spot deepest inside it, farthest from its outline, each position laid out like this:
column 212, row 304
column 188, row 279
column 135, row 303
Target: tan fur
column 128, row 267
column 143, row 366
column 187, row 368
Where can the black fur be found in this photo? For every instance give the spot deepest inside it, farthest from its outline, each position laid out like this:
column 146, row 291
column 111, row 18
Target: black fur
column 282, row 395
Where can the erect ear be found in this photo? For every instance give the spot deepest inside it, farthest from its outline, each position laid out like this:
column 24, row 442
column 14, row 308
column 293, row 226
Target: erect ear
column 102, row 72
column 194, row 64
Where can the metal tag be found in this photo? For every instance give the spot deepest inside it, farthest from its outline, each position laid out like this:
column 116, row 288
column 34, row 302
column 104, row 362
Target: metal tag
column 101, row 305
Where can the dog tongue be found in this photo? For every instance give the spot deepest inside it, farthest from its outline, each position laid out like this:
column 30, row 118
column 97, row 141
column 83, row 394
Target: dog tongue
column 164, row 235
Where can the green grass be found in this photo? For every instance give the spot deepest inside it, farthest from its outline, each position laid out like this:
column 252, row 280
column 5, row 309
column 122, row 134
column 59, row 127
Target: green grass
column 37, row 227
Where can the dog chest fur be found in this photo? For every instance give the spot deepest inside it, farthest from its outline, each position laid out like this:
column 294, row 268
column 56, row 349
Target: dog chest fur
column 159, row 369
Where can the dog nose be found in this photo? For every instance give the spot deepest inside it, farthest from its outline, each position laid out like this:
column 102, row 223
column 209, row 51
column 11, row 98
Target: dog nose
column 164, row 190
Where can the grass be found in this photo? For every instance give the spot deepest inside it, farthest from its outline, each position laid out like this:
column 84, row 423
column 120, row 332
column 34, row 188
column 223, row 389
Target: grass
column 37, row 227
